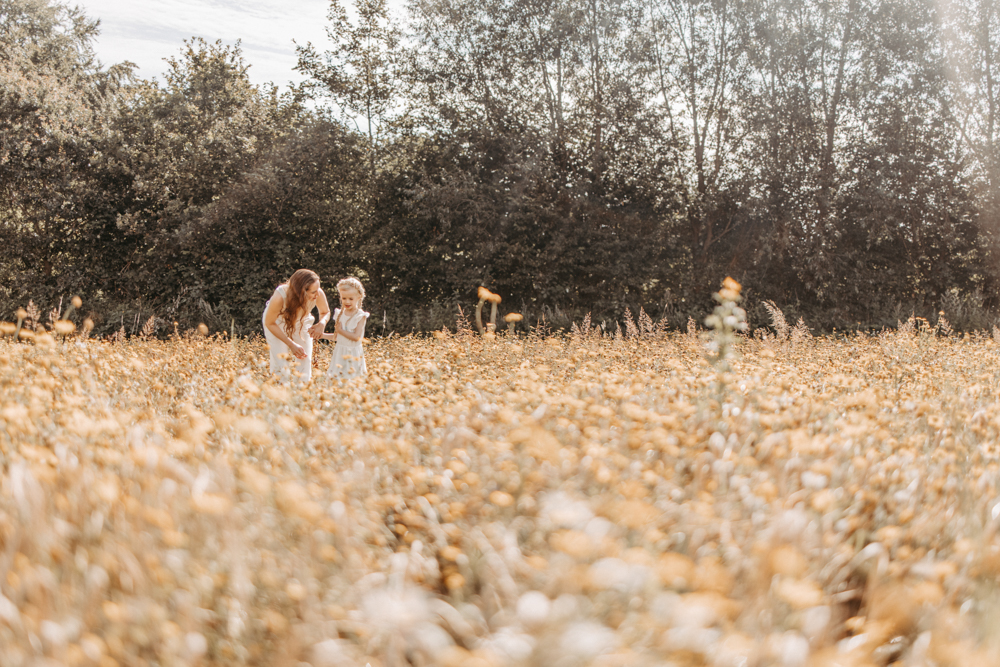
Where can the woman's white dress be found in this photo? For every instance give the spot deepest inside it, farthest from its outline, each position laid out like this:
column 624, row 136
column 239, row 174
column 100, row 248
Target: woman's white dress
column 283, row 362
column 348, row 355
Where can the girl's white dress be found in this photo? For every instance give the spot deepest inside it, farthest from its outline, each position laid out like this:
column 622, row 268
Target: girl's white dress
column 348, row 355
column 282, row 367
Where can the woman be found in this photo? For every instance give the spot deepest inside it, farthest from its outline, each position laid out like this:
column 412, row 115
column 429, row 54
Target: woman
column 289, row 327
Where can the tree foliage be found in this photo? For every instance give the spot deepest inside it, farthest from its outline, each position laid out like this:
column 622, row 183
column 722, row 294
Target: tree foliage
column 838, row 157
column 55, row 100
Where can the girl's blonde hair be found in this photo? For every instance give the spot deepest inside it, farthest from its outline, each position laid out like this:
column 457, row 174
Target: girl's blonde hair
column 355, row 285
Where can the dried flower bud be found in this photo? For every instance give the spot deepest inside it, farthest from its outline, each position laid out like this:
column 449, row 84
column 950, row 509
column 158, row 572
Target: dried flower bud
column 64, row 327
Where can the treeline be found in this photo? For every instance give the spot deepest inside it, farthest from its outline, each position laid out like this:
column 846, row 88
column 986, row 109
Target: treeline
column 837, row 157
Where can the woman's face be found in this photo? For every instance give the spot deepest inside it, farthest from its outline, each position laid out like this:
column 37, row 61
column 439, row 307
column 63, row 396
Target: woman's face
column 310, row 294
column 349, row 298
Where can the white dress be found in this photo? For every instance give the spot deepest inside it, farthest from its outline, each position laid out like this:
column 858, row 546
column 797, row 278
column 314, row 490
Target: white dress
column 282, row 367
column 348, row 355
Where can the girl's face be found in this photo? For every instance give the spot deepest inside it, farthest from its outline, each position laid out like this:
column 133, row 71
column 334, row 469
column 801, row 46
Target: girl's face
column 349, row 298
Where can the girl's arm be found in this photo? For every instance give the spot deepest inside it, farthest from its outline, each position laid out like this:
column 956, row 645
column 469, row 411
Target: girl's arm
column 316, row 330
column 274, row 307
column 336, row 323
column 355, row 335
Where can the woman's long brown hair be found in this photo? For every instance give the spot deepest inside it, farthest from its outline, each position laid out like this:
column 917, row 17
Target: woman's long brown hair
column 295, row 299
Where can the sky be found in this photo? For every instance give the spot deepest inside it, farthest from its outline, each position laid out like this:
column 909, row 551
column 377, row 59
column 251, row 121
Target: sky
column 147, row 31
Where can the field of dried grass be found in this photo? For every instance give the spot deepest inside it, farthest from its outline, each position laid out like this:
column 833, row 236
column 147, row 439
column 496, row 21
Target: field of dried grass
column 559, row 501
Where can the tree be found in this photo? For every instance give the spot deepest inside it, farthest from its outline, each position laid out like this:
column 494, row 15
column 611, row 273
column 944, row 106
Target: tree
column 297, row 206
column 479, row 210
column 179, row 147
column 555, row 166
column 858, row 193
column 55, row 103
column 361, row 73
column 971, row 41
column 836, row 155
column 698, row 50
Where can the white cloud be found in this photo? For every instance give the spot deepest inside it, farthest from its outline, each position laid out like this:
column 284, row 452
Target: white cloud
column 147, row 31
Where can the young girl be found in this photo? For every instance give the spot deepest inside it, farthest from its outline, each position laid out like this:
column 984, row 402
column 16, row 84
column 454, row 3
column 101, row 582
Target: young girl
column 288, row 324
column 348, row 355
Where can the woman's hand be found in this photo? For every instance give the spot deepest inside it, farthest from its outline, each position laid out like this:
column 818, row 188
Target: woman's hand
column 316, row 330
column 297, row 350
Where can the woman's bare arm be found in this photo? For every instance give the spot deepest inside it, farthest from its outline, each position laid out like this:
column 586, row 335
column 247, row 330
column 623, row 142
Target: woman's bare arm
column 323, row 306
column 274, row 307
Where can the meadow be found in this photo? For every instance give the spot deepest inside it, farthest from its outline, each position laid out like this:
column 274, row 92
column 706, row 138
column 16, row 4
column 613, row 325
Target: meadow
column 593, row 498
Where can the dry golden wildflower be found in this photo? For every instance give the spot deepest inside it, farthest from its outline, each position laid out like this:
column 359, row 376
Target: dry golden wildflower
column 501, row 499
column 257, row 481
column 293, row 499
column 63, row 327
column 211, row 503
column 676, row 571
column 512, row 319
column 788, row 561
column 450, row 553
column 799, row 593
column 454, row 581
column 486, row 296
column 575, row 487
column 537, row 442
column 295, row 590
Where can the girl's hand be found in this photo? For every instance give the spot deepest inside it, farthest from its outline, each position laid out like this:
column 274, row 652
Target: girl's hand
column 297, row 350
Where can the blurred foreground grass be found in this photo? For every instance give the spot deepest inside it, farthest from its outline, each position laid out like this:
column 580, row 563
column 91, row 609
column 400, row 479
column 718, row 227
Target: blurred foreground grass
column 565, row 501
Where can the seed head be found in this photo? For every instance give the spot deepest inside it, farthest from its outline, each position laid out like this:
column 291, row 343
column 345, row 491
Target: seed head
column 64, row 327
column 486, row 295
